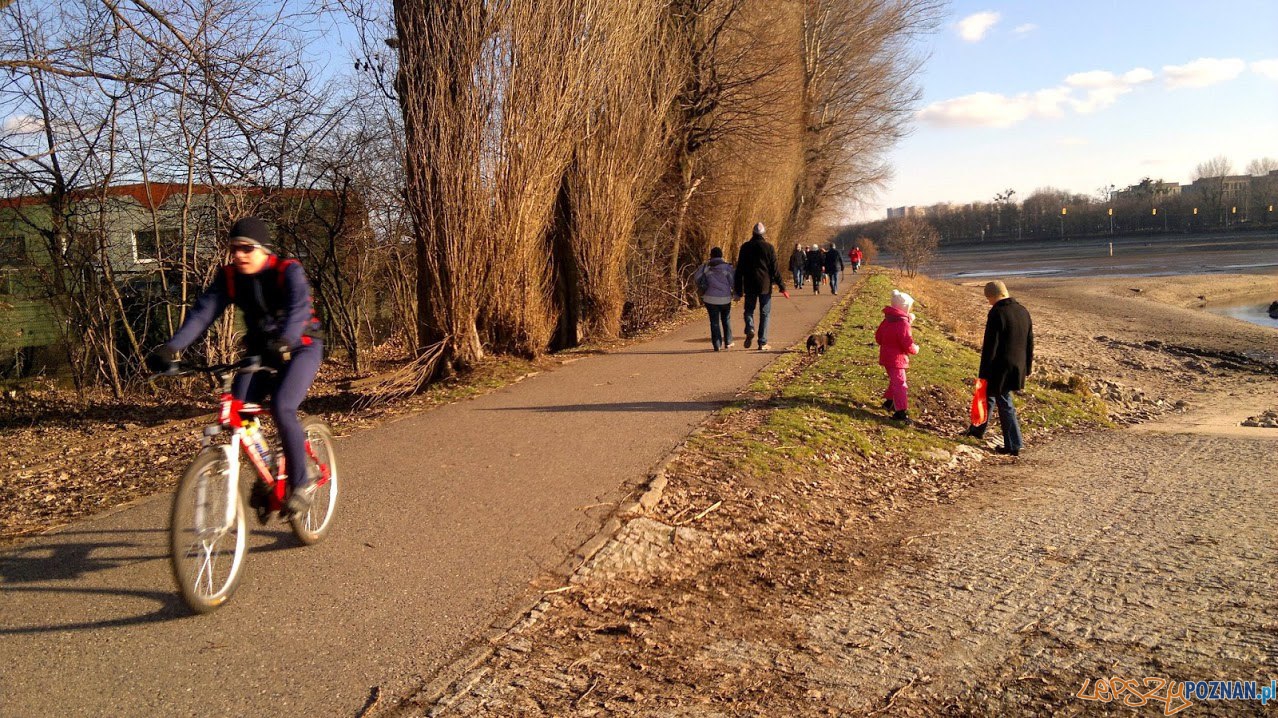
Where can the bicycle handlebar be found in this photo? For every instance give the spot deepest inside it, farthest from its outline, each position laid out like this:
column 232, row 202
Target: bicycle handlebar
column 247, row 365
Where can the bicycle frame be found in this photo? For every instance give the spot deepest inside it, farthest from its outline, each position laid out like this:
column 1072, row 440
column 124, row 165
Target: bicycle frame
column 240, row 420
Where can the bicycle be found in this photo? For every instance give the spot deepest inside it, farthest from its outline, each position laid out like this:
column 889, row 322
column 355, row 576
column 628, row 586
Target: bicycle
column 208, row 529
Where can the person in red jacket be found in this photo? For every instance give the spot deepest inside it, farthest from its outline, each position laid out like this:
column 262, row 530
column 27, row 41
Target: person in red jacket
column 896, row 344
column 855, row 257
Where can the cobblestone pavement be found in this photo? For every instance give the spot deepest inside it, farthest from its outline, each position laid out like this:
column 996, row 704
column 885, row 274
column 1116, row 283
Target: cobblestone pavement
column 1123, row 553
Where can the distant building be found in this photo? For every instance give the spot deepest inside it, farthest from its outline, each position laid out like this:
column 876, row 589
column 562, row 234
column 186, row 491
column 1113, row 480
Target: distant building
column 912, row 211
column 146, row 236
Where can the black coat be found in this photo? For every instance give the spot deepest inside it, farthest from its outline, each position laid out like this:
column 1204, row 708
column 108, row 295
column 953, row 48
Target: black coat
column 757, row 268
column 833, row 261
column 1007, row 354
column 816, row 263
column 798, row 259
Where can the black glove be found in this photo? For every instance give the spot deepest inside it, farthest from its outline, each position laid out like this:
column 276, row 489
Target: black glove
column 281, row 350
column 162, row 361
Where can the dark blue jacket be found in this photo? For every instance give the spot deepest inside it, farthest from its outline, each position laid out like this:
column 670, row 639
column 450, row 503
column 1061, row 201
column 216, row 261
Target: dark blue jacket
column 276, row 303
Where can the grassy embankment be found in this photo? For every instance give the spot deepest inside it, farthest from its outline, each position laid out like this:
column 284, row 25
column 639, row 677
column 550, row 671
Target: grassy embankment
column 831, row 405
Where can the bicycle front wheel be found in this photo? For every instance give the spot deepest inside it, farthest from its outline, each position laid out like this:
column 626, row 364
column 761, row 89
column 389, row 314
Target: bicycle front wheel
column 321, row 466
column 208, row 533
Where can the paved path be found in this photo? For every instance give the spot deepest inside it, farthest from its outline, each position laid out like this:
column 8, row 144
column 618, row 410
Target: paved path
column 447, row 519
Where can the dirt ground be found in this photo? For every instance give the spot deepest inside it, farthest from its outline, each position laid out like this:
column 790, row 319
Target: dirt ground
column 973, row 585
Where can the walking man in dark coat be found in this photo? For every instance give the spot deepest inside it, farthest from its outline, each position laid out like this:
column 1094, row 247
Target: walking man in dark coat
column 1007, row 357
column 757, row 271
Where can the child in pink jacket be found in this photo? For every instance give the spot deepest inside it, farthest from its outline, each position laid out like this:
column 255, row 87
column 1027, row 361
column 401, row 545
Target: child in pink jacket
column 896, row 344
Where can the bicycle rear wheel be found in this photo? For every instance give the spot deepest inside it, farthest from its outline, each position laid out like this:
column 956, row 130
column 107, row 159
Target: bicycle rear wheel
column 207, row 532
column 321, row 464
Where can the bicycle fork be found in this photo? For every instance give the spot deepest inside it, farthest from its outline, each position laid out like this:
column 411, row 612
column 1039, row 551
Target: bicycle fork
column 231, row 459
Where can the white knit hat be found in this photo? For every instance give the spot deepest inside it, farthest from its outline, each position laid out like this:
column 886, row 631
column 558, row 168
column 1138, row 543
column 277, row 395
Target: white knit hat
column 901, row 300
column 760, row 230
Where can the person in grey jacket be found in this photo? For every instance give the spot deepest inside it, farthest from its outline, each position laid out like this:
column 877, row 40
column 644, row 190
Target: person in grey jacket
column 716, row 277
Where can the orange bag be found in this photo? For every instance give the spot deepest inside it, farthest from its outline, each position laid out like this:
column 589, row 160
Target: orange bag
column 980, row 407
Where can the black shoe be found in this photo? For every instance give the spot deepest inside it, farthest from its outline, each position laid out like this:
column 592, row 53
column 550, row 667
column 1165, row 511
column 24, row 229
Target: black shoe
column 976, row 432
column 901, row 416
column 887, row 404
column 749, row 339
column 300, row 500
column 1007, row 452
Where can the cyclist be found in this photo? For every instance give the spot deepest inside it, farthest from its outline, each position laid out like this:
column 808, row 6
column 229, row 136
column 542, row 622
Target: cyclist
column 275, row 298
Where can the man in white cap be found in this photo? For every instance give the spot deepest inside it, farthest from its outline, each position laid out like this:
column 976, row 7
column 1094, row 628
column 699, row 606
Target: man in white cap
column 757, row 271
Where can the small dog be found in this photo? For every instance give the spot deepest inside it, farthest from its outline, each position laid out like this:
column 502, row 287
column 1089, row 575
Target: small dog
column 818, row 342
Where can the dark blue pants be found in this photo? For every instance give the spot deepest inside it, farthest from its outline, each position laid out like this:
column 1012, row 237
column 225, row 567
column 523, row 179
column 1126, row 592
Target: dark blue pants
column 720, row 324
column 286, row 390
column 798, row 278
column 764, row 302
column 1006, row 419
column 834, row 282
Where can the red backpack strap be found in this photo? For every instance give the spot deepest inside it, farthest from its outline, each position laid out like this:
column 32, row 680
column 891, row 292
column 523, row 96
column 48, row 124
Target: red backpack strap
column 230, row 281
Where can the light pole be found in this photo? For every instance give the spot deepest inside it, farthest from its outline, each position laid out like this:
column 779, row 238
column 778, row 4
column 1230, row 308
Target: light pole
column 1111, row 221
column 1063, row 211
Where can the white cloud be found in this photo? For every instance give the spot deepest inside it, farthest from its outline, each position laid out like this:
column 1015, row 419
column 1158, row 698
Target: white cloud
column 1104, row 87
column 1027, row 27
column 21, row 124
column 1099, row 89
column 1203, row 72
column 990, row 109
column 973, row 27
column 1266, row 68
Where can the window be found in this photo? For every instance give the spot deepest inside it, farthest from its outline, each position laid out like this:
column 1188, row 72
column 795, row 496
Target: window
column 13, row 251
column 150, row 245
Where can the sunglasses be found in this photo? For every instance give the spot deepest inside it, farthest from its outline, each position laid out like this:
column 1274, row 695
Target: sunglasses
column 243, row 248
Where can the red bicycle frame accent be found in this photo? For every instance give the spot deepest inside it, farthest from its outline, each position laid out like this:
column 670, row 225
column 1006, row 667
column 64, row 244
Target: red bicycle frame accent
column 231, row 419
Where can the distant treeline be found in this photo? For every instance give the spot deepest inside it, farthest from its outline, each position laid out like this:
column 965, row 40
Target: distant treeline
column 1216, row 201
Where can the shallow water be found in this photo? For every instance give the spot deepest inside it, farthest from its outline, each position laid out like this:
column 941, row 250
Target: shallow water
column 1235, row 253
column 1254, row 313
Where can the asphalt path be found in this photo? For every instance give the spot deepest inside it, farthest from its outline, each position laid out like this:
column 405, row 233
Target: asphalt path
column 447, row 519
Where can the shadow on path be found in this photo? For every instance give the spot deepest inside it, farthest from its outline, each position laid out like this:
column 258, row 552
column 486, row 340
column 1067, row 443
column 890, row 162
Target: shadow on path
column 31, row 569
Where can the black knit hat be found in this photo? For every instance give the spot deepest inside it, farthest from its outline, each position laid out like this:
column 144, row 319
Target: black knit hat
column 251, row 230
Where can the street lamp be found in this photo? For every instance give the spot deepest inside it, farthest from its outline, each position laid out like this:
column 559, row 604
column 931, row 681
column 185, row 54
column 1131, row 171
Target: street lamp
column 1063, row 211
column 1111, row 220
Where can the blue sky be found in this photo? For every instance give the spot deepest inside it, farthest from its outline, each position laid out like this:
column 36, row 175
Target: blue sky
column 1078, row 94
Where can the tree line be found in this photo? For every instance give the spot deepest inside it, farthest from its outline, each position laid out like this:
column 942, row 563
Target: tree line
column 1216, row 200
column 508, row 177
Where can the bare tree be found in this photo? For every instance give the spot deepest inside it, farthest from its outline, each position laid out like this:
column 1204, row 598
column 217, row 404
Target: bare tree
column 912, row 242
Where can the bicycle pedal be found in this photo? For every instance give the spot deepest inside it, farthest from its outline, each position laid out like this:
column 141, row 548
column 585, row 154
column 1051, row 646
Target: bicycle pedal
column 263, row 514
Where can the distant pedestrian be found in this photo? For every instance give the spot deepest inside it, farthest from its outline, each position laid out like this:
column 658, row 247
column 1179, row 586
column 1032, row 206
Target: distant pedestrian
column 756, row 272
column 714, row 282
column 855, row 256
column 895, row 338
column 833, row 268
column 798, row 259
column 1007, row 358
column 815, row 268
